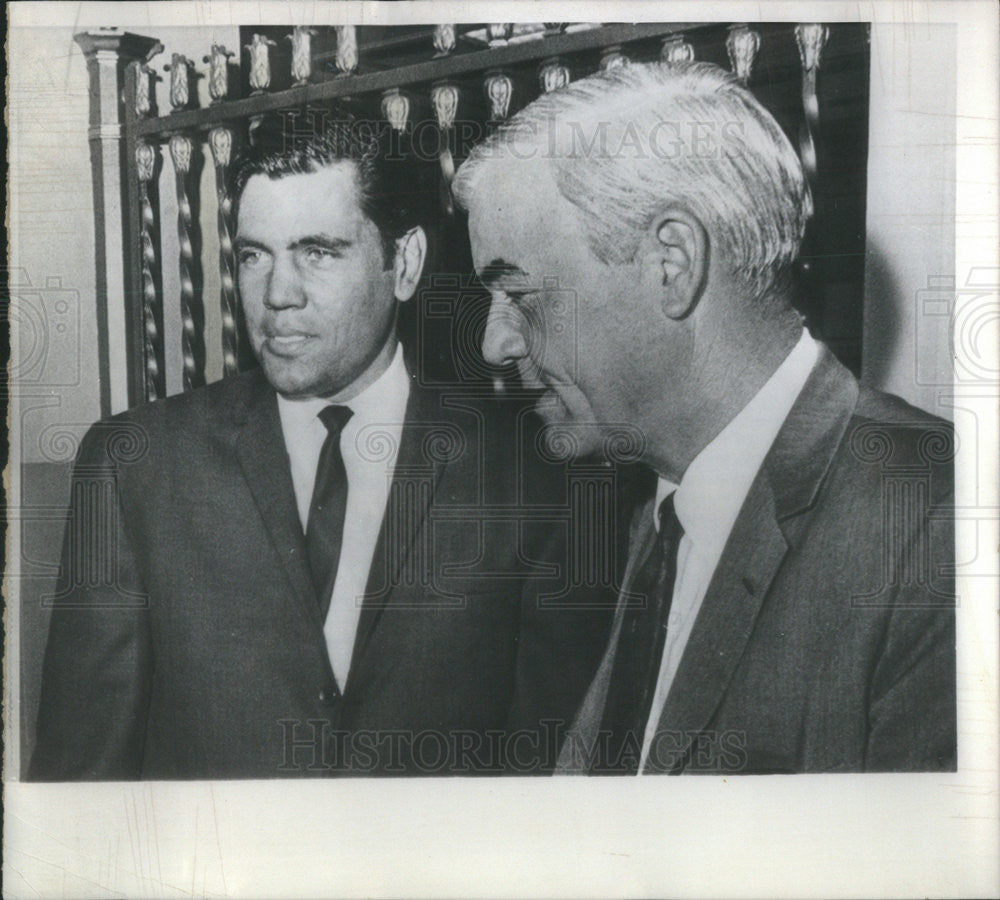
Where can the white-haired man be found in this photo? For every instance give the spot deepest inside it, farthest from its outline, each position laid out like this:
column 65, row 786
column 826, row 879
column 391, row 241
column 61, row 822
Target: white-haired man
column 787, row 603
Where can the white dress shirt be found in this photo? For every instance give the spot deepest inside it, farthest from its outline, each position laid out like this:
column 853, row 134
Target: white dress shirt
column 380, row 408
column 709, row 499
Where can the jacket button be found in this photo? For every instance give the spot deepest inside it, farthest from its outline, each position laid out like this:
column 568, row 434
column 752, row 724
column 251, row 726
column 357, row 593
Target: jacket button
column 327, row 696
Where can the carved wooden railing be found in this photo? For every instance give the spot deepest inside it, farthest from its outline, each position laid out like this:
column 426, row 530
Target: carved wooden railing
column 484, row 71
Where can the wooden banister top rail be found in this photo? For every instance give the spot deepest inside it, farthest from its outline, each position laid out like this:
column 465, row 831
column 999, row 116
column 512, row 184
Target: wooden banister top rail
column 452, row 66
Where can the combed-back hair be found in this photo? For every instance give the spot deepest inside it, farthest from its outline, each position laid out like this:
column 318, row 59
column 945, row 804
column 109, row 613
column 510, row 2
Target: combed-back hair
column 394, row 190
column 626, row 142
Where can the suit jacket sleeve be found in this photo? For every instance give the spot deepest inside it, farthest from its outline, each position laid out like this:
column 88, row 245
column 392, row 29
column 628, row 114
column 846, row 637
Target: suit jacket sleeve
column 912, row 704
column 98, row 662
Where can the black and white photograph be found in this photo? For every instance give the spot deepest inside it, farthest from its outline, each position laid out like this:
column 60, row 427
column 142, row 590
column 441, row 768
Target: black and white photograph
column 408, row 412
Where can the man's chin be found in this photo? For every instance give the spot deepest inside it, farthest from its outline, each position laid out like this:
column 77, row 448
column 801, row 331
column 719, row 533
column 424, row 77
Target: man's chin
column 565, row 440
column 551, row 409
column 564, row 436
column 291, row 382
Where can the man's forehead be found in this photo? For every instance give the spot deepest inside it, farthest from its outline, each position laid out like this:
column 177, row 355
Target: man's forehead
column 520, row 170
column 329, row 191
column 514, row 202
column 338, row 178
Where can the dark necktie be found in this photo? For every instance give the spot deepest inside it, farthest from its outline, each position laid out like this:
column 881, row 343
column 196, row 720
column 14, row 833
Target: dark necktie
column 640, row 647
column 325, row 529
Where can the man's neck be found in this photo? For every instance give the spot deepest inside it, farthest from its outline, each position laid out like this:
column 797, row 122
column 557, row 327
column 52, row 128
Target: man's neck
column 729, row 376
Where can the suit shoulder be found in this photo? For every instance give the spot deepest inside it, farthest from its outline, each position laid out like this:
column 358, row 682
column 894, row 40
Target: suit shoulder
column 130, row 435
column 886, row 432
column 878, row 406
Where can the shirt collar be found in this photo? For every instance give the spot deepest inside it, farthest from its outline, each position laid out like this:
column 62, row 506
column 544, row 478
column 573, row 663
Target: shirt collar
column 383, row 402
column 717, row 481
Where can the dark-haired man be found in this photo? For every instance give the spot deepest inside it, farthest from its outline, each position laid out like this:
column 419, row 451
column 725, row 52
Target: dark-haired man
column 307, row 579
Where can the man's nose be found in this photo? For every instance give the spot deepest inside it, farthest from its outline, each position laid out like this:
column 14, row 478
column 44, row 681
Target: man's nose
column 284, row 287
column 504, row 341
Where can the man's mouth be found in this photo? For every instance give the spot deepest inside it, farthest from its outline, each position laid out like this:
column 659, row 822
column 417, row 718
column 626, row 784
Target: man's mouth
column 550, row 404
column 287, row 343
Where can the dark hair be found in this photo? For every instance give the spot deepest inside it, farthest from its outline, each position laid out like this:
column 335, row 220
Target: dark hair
column 394, row 194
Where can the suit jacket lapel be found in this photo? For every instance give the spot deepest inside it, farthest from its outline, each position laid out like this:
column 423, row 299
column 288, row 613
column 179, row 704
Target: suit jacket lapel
column 728, row 612
column 785, row 487
column 401, row 537
column 260, row 447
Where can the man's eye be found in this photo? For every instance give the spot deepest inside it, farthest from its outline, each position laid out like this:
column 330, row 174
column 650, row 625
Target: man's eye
column 248, row 256
column 319, row 254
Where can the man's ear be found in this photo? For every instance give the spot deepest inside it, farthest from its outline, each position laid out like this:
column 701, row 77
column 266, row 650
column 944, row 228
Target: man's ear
column 411, row 251
column 677, row 260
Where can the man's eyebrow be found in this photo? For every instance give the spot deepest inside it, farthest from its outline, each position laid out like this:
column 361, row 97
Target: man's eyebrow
column 242, row 243
column 320, row 240
column 499, row 270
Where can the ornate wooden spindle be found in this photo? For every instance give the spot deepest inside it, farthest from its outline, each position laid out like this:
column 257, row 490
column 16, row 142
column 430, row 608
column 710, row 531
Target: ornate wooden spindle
column 742, row 45
column 396, row 108
column 676, row 49
column 444, row 99
column 301, row 38
column 346, row 57
column 179, row 68
column 218, row 72
column 142, row 74
column 553, row 74
column 221, row 142
column 498, row 35
column 613, row 58
column 810, row 39
column 260, row 62
column 444, row 39
column 181, row 149
column 145, row 162
column 259, row 49
column 499, row 88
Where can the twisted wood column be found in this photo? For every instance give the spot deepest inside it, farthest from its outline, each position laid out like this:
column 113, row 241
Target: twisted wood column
column 180, row 153
column 810, row 40
column 444, row 99
column 221, row 142
column 145, row 161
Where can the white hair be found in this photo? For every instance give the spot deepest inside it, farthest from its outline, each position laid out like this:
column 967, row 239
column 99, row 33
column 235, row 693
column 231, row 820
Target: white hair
column 625, row 142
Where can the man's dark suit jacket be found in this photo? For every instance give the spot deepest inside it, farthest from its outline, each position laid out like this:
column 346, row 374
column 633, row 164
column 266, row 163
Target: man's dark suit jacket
column 826, row 639
column 188, row 641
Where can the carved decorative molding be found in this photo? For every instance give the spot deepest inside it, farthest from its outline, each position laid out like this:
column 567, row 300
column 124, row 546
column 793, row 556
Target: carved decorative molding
column 301, row 38
column 218, row 72
column 742, row 45
column 260, row 62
